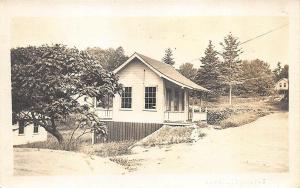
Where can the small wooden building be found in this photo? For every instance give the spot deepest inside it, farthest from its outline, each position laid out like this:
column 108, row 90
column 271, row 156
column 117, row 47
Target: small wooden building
column 154, row 92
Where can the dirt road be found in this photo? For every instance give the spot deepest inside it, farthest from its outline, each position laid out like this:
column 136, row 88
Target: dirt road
column 261, row 146
column 34, row 162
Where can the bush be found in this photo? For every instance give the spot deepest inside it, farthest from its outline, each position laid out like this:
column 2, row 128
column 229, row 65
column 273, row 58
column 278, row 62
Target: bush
column 214, row 117
column 239, row 119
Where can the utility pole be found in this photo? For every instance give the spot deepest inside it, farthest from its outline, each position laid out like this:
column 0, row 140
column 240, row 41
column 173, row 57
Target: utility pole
column 230, row 88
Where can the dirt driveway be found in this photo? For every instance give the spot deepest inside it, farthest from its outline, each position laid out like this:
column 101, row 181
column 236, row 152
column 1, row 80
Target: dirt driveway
column 261, row 146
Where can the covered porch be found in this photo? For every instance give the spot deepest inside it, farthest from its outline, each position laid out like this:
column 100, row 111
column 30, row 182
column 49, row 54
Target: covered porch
column 179, row 106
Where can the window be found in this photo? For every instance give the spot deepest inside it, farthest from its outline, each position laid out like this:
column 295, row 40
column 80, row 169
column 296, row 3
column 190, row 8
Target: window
column 21, row 127
column 126, row 97
column 176, row 102
column 182, row 101
column 280, row 85
column 150, row 97
column 35, row 128
column 284, row 84
column 169, row 99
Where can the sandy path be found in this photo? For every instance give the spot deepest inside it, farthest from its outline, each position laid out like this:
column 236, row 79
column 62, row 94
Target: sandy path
column 261, row 146
column 29, row 161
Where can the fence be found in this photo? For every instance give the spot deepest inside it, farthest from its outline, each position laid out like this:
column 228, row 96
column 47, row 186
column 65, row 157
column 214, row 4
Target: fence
column 119, row 131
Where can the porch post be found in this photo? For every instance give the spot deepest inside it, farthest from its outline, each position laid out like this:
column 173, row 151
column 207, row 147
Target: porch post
column 200, row 98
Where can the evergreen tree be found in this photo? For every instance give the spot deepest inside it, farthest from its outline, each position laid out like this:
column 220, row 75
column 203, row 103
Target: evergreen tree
column 280, row 72
column 207, row 75
column 168, row 58
column 188, row 70
column 230, row 68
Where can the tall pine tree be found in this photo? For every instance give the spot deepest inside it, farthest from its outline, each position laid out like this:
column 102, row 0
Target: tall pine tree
column 168, row 58
column 208, row 74
column 230, row 68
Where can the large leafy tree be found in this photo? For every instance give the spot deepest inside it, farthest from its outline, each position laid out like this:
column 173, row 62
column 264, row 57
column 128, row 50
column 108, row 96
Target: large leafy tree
column 47, row 82
column 188, row 70
column 168, row 57
column 257, row 78
column 208, row 73
column 230, row 66
column 109, row 58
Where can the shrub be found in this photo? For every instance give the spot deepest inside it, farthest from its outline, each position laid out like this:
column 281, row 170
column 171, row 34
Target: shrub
column 238, row 120
column 214, row 117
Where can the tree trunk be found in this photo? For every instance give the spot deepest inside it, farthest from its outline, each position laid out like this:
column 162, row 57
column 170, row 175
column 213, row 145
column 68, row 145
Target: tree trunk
column 58, row 136
column 55, row 132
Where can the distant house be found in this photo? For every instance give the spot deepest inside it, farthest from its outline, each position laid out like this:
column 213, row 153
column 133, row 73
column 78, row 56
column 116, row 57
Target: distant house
column 282, row 85
column 27, row 134
column 154, row 92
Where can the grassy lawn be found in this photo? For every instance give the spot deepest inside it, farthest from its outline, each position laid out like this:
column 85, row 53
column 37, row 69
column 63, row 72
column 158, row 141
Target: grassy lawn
column 242, row 111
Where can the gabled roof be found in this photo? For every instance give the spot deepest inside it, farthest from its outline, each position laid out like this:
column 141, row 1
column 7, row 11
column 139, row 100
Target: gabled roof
column 163, row 70
column 283, row 79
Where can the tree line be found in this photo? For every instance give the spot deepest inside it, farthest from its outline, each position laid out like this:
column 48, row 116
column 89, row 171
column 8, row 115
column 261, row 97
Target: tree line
column 224, row 73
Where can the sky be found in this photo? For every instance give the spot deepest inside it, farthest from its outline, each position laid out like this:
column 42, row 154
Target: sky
column 187, row 36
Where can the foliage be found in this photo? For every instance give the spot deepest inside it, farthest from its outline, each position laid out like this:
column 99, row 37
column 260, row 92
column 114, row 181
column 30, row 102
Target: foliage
column 188, row 70
column 257, row 78
column 48, row 80
column 109, row 58
column 238, row 120
column 168, row 58
column 214, row 117
column 281, row 72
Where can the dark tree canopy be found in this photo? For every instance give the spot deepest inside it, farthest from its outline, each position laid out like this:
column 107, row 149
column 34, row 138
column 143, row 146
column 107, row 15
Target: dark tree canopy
column 281, row 72
column 168, row 58
column 48, row 80
column 208, row 73
column 257, row 78
column 188, row 70
column 109, row 58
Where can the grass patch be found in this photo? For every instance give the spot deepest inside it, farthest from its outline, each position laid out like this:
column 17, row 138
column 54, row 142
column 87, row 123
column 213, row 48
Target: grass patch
column 172, row 135
column 238, row 120
column 83, row 145
column 108, row 149
column 128, row 164
column 242, row 111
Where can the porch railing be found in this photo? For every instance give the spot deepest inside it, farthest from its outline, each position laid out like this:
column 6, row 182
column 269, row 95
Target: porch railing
column 197, row 113
column 105, row 114
column 173, row 116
